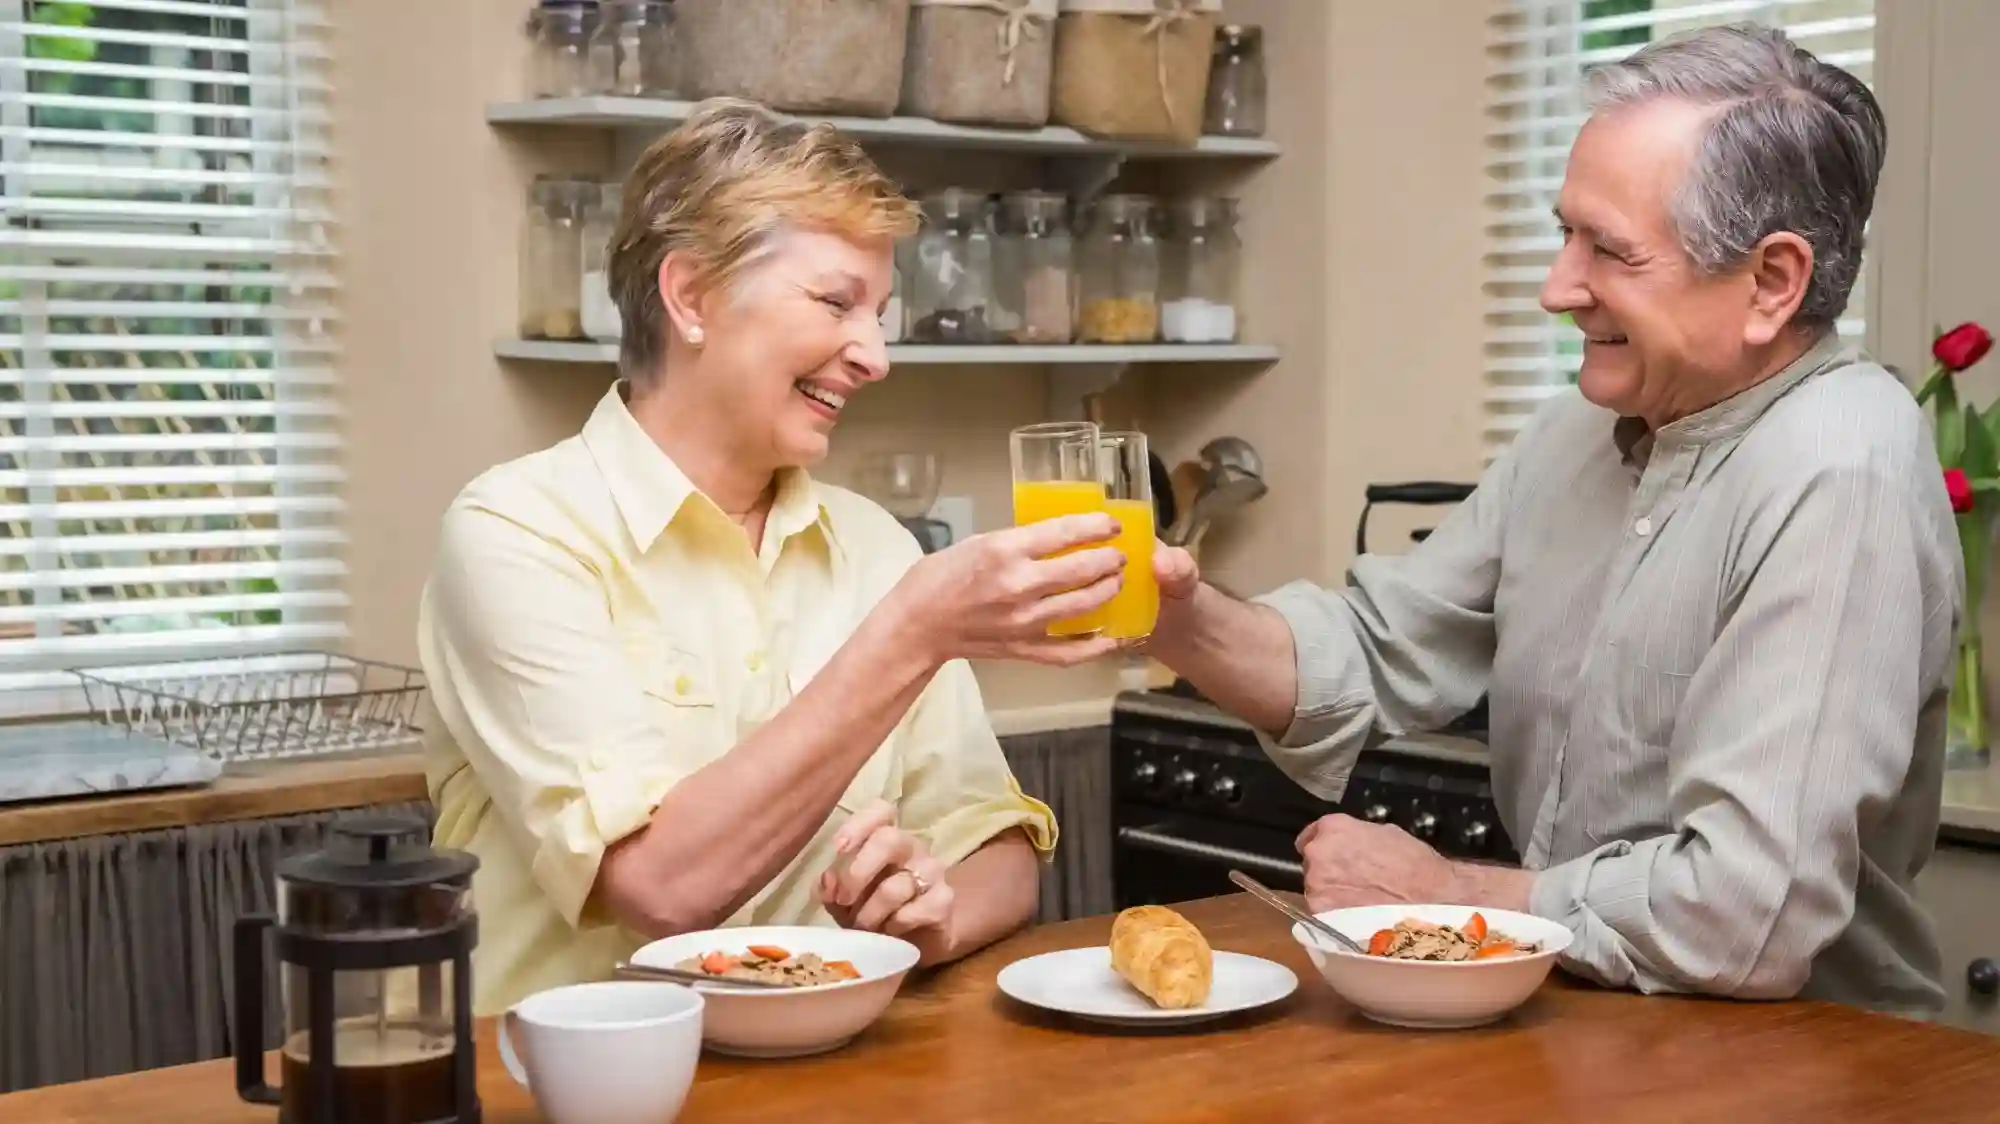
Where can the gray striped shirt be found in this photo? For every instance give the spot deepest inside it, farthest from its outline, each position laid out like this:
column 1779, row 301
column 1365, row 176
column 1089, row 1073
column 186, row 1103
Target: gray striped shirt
column 1717, row 658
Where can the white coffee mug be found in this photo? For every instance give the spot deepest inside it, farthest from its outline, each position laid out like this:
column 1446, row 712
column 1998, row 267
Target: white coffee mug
column 619, row 1052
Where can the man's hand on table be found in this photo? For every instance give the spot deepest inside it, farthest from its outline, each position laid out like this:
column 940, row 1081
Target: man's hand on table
column 1351, row 862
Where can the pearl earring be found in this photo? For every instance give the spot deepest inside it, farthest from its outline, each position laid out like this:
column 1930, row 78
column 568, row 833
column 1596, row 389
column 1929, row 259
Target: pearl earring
column 694, row 335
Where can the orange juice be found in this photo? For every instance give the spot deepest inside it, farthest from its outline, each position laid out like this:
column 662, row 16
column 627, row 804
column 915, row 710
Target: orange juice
column 1036, row 500
column 1131, row 612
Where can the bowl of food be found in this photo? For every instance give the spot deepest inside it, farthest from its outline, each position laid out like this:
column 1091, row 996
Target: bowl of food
column 832, row 984
column 1435, row 966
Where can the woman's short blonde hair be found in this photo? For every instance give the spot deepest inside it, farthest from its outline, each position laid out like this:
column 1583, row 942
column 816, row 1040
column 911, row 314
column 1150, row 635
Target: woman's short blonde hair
column 720, row 187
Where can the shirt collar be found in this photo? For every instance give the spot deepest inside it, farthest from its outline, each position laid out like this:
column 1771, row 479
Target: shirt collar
column 1730, row 417
column 651, row 491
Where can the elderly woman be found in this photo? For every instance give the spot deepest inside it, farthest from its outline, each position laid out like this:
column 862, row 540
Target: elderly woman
column 676, row 678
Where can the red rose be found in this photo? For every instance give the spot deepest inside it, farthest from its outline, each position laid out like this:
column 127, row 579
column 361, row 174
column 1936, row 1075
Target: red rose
column 1962, row 347
column 1959, row 489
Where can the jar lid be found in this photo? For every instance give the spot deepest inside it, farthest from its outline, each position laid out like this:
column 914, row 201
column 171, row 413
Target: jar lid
column 1239, row 35
column 957, row 202
column 378, row 853
column 1203, row 210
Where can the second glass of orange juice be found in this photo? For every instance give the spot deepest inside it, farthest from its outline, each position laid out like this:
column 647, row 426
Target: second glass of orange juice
column 1056, row 473
column 1128, row 488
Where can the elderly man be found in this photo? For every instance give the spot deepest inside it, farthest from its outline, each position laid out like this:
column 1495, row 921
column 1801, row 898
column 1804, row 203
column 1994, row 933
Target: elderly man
column 1711, row 595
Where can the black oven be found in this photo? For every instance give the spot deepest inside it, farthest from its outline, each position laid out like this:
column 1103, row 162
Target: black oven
column 1194, row 797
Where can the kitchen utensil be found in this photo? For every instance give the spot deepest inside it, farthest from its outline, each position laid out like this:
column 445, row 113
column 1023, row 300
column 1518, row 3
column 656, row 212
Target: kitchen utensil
column 1082, row 983
column 1232, row 475
column 1435, row 994
column 630, row 971
column 1166, row 505
column 1263, row 894
column 374, row 939
column 1187, row 478
column 791, row 1021
column 605, row 1053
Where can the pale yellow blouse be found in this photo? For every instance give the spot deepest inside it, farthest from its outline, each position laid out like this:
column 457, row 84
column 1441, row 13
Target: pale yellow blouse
column 595, row 629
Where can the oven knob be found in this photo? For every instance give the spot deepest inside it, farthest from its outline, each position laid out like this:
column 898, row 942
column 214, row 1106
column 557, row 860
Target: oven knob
column 1983, row 977
column 1474, row 835
column 1185, row 782
column 1145, row 774
column 1424, row 825
column 1225, row 789
column 1376, row 813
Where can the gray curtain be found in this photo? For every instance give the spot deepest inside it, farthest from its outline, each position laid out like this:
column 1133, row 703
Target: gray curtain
column 114, row 949
column 1070, row 771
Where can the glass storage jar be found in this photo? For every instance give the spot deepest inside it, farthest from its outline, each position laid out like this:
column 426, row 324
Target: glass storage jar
column 1034, row 268
column 1236, row 83
column 632, row 51
column 562, row 47
column 1201, row 260
column 599, row 313
column 1118, row 272
column 951, row 290
column 552, row 260
column 895, row 309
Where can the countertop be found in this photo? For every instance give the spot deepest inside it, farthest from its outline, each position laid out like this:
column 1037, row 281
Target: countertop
column 1019, row 701
column 950, row 1048
column 1972, row 802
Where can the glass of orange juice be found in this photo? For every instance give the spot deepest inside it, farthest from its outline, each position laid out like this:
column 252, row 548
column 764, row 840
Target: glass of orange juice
column 1128, row 490
column 1056, row 473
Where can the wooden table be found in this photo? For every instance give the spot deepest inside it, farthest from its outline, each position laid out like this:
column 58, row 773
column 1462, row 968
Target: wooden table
column 953, row 1049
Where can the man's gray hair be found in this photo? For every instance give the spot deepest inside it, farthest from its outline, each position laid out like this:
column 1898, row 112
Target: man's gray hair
column 1796, row 146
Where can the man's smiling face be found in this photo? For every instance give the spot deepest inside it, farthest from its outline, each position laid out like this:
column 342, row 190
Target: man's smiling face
column 1662, row 337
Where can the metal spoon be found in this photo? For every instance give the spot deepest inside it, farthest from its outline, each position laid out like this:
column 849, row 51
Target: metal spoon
column 629, row 971
column 1263, row 894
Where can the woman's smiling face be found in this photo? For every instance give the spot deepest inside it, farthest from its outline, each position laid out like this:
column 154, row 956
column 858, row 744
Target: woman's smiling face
column 788, row 344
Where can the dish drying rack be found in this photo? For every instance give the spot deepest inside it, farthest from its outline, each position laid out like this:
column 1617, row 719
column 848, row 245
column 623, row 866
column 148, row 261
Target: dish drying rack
column 292, row 704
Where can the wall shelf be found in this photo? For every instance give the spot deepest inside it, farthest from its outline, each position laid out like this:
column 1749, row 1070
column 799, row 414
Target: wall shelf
column 655, row 114
column 1076, row 371
column 934, row 355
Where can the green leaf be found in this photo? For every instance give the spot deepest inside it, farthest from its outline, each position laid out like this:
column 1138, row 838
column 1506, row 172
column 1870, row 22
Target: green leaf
column 1980, row 453
column 1951, row 436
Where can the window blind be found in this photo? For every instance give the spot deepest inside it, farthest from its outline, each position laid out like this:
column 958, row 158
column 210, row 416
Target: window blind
column 1541, row 51
column 169, row 470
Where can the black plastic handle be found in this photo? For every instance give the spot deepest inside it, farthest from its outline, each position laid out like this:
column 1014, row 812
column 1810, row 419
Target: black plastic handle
column 250, row 1084
column 1427, row 492
column 1422, row 492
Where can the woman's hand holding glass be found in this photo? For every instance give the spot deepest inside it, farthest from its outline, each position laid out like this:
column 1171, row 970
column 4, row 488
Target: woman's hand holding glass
column 995, row 595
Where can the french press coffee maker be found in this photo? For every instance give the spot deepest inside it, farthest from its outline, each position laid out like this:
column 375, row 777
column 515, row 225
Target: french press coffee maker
column 374, row 938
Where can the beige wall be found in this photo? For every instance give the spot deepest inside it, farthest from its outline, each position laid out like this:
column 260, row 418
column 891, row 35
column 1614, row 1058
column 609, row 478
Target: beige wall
column 1362, row 263
column 1364, row 244
column 1938, row 231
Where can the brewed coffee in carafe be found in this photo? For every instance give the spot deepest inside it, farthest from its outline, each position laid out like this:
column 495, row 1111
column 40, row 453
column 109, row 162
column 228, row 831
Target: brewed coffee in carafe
column 373, row 935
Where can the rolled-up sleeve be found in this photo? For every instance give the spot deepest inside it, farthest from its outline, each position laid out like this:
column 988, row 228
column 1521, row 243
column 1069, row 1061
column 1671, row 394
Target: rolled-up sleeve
column 1408, row 645
column 1795, row 731
column 958, row 790
column 534, row 688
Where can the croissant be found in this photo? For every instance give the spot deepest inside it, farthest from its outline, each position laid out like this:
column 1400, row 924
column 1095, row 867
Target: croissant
column 1163, row 955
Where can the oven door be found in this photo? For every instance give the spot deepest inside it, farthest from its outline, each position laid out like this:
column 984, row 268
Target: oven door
column 1162, row 858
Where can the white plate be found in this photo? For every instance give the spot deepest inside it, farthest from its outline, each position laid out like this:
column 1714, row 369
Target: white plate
column 1081, row 982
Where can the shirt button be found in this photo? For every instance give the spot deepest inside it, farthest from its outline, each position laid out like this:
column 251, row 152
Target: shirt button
column 601, row 760
column 756, row 661
column 683, row 685
column 1643, row 528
